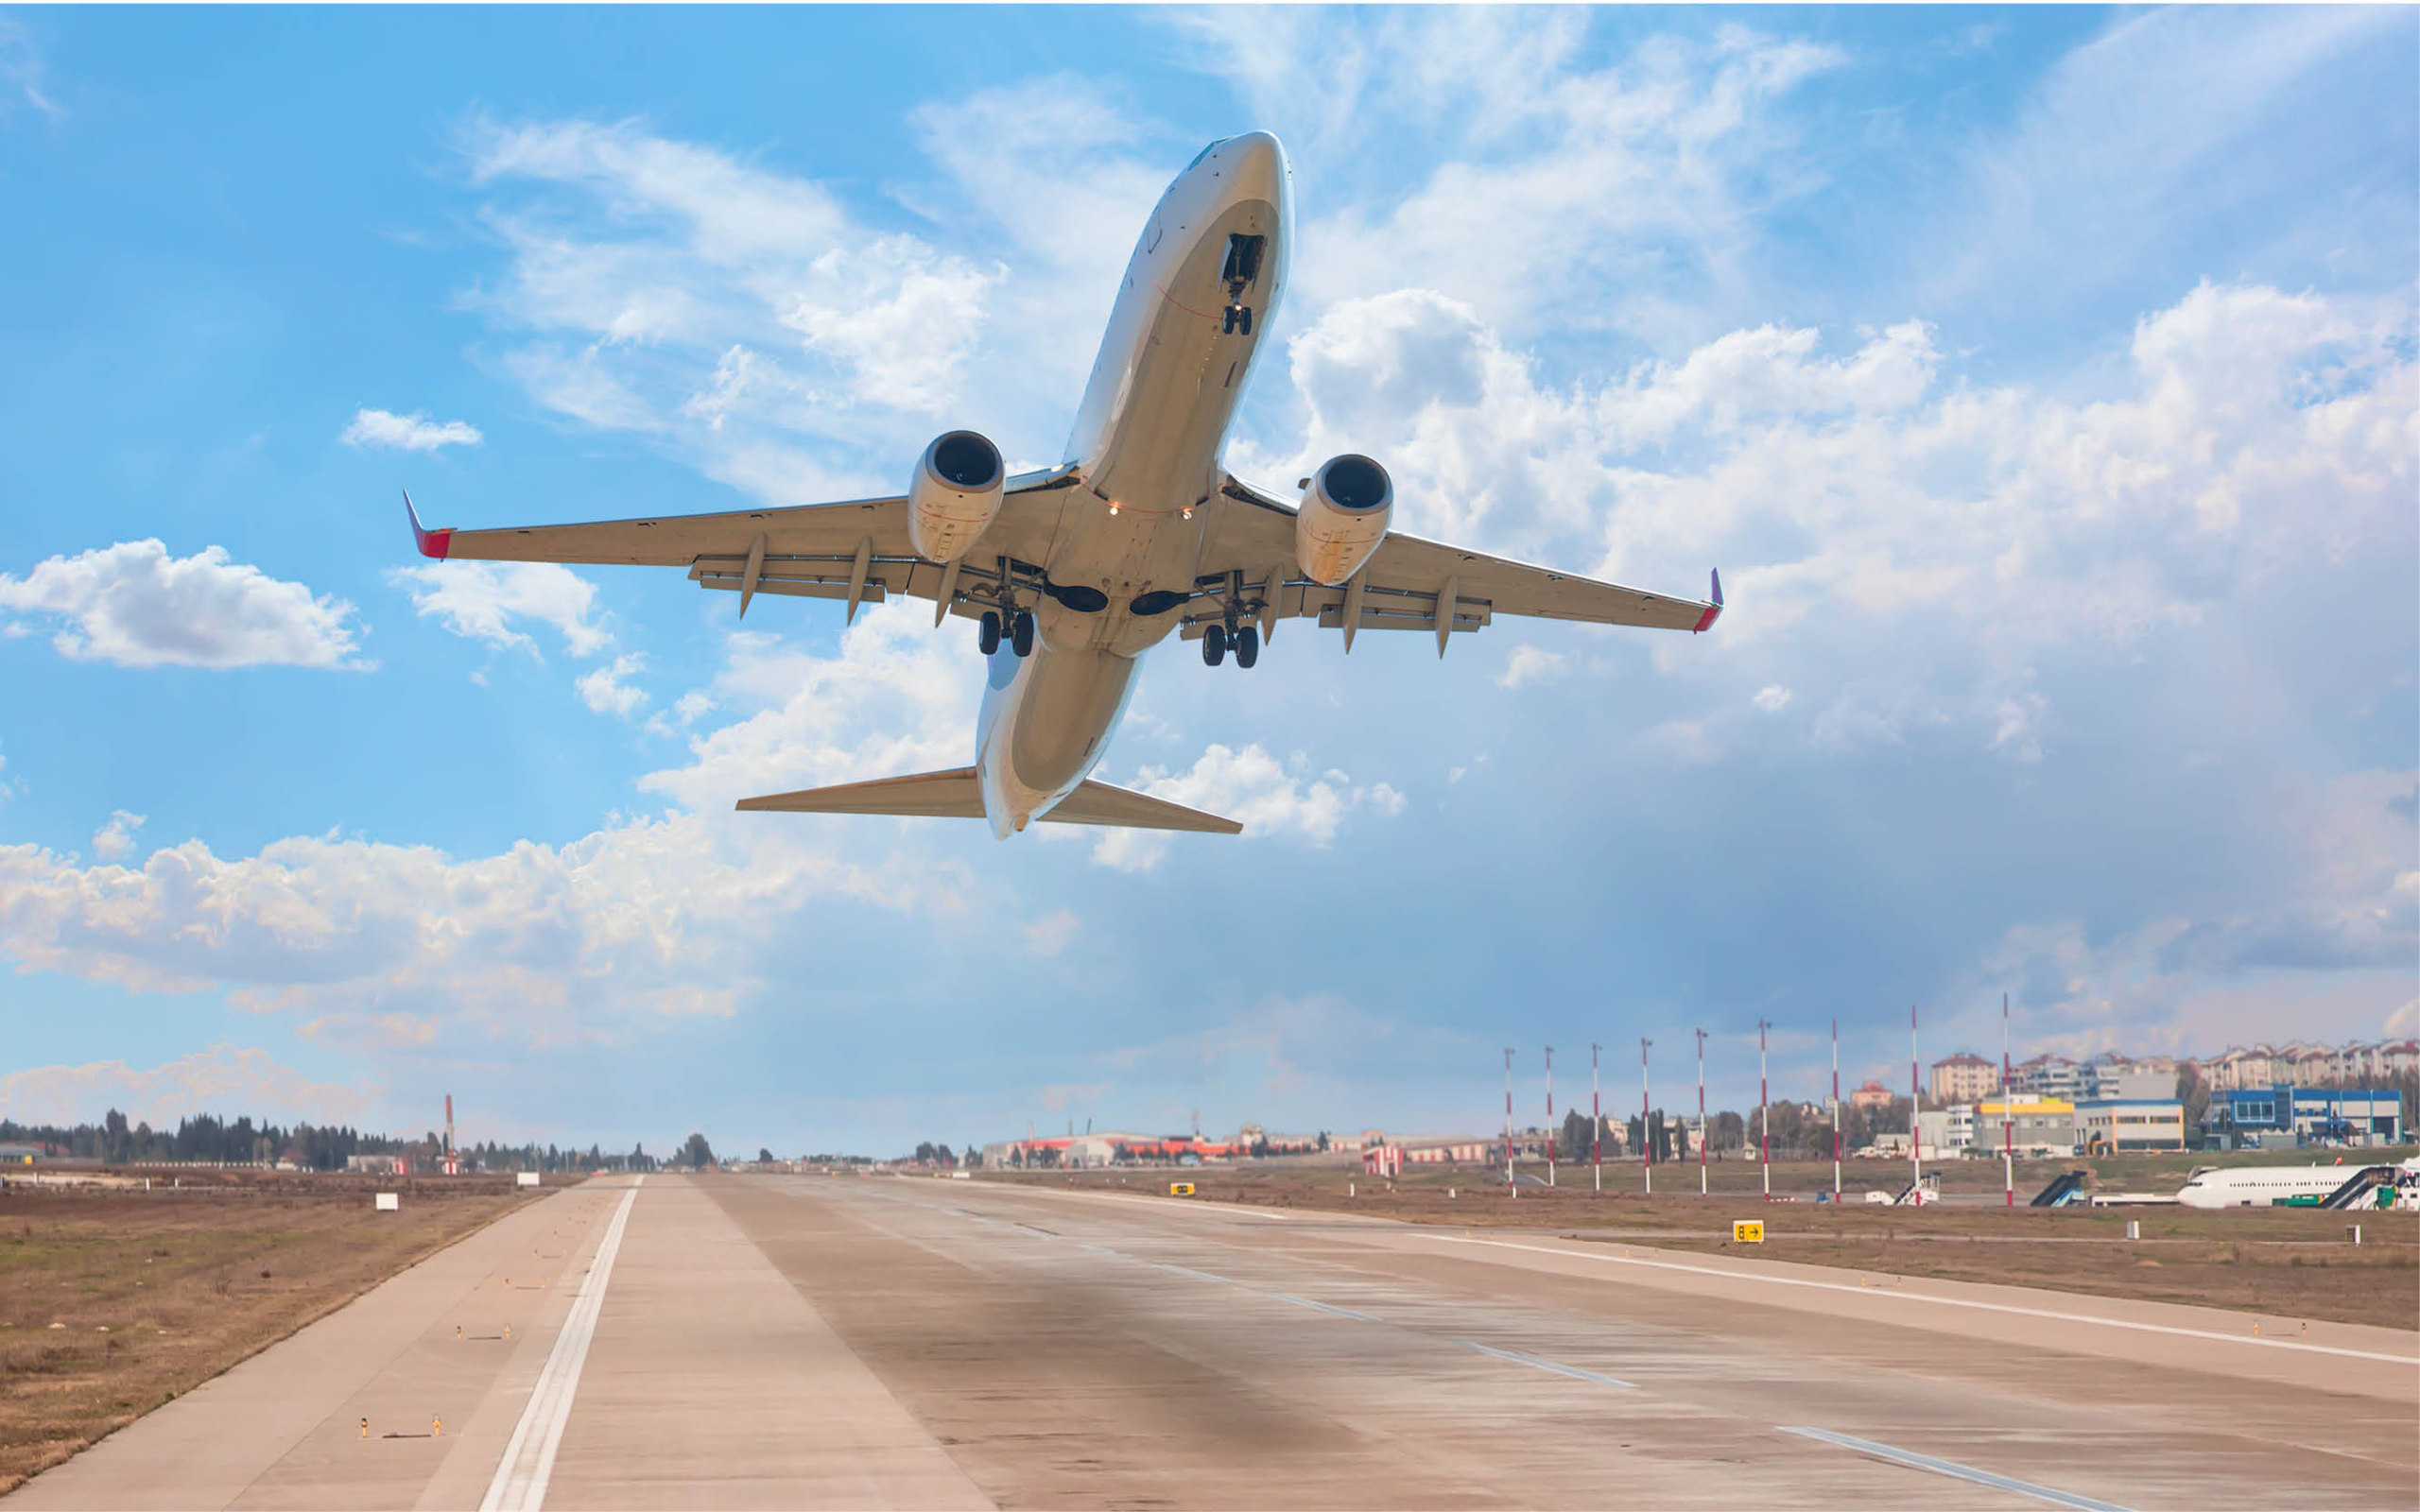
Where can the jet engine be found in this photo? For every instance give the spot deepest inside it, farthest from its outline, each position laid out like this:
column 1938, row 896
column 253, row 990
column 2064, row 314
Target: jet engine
column 954, row 495
column 1342, row 519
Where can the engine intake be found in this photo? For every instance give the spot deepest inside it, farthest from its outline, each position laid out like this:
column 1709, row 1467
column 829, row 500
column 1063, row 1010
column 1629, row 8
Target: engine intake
column 1342, row 519
column 954, row 496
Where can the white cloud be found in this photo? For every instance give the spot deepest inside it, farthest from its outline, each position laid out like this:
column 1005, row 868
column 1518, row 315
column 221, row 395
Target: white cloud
column 223, row 1080
column 603, row 691
column 1050, row 935
column 1772, row 699
column 414, row 432
column 1254, row 787
column 136, row 606
column 1528, row 665
column 115, row 840
column 479, row 600
column 22, row 71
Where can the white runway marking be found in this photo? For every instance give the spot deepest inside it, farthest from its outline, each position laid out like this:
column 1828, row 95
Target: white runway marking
column 521, row 1476
column 1323, row 1306
column 1571, row 1370
column 1935, row 1301
column 1964, row 1472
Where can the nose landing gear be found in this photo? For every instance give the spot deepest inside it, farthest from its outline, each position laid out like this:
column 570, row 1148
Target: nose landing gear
column 1237, row 320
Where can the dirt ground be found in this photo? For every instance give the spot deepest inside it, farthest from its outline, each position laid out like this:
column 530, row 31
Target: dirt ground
column 2295, row 1261
column 114, row 1301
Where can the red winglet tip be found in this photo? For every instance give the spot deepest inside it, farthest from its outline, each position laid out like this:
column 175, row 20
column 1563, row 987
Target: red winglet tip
column 1713, row 610
column 432, row 544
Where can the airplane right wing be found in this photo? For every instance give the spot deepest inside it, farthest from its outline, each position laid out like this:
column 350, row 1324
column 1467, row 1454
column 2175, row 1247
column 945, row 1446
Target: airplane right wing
column 1406, row 579
column 957, row 794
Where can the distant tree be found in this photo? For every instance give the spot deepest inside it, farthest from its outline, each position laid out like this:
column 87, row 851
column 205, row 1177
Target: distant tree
column 698, row 1152
column 1323, row 1146
column 763, row 1156
column 974, row 1158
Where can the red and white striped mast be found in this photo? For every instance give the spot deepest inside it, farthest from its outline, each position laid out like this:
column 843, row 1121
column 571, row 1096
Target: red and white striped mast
column 1915, row 1103
column 1701, row 1112
column 1509, row 1184
column 1764, row 1109
column 2008, row 1125
column 1551, row 1138
column 1596, row 1120
column 1836, row 1110
column 1645, row 1139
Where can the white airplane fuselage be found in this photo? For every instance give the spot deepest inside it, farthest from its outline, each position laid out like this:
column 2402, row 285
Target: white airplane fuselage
column 1146, row 450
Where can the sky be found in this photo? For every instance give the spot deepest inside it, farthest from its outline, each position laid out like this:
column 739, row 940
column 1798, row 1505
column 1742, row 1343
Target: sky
column 2042, row 380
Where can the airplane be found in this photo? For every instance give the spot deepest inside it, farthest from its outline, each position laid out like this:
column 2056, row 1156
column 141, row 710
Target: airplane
column 1074, row 571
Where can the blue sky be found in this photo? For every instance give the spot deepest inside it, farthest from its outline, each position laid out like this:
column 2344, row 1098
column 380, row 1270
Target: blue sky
column 2042, row 380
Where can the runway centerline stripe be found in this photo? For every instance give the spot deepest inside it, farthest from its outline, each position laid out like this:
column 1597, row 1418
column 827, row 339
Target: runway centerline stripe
column 529, row 1462
column 1964, row 1473
column 1571, row 1370
column 1322, row 1307
column 1935, row 1301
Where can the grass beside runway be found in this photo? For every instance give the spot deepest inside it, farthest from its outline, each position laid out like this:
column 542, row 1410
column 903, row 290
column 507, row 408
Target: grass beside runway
column 114, row 1301
column 2291, row 1262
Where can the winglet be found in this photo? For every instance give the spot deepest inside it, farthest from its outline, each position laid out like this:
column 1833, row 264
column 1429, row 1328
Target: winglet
column 1713, row 610
column 431, row 543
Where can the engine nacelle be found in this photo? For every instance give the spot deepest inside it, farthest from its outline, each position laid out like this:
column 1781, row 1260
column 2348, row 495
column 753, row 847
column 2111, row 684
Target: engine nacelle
column 954, row 496
column 1342, row 519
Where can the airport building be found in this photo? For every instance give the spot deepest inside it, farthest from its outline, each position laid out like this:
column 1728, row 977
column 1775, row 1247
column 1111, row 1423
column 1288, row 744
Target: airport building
column 2281, row 1116
column 2128, row 1126
column 2044, row 1125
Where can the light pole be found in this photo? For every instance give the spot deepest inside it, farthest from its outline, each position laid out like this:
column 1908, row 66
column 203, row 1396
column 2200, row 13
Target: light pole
column 1645, row 1139
column 1508, row 1185
column 1596, row 1122
column 1550, row 1115
column 1763, row 1110
column 1701, row 1112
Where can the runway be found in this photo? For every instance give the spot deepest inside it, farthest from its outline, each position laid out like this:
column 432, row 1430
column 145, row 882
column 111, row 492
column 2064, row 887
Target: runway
column 816, row 1342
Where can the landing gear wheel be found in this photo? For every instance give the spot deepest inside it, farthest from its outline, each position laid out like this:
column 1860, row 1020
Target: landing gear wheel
column 1213, row 646
column 1246, row 646
column 1243, row 320
column 1227, row 321
column 1021, row 633
column 989, row 636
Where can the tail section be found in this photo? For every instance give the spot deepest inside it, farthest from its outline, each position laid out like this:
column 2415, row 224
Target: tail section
column 957, row 794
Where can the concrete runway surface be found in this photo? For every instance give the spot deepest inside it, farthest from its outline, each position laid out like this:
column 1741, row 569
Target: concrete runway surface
column 859, row 1342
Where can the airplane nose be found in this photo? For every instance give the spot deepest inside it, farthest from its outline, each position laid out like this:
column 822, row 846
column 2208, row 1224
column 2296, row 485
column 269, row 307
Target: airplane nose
column 1255, row 168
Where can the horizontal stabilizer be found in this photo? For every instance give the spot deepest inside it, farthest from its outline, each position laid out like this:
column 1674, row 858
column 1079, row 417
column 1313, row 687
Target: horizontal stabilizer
column 952, row 795
column 957, row 794
column 1099, row 803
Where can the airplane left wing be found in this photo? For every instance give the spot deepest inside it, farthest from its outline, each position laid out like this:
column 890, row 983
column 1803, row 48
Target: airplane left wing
column 855, row 550
column 1406, row 579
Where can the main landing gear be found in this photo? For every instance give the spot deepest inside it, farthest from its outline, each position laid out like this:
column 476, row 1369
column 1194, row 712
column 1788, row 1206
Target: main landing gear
column 1237, row 320
column 1218, row 638
column 1018, row 631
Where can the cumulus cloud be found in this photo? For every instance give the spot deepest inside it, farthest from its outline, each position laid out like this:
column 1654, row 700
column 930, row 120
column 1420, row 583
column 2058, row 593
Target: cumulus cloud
column 114, row 840
column 1254, row 787
column 222, row 1079
column 604, row 690
column 134, row 605
column 414, row 432
column 480, row 600
column 1527, row 664
column 1049, row 936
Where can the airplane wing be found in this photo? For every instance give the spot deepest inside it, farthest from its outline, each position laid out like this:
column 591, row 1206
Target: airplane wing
column 1404, row 580
column 855, row 550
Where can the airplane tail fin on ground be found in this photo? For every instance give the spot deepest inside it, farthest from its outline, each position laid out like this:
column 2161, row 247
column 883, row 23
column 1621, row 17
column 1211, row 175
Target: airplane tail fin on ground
column 957, row 794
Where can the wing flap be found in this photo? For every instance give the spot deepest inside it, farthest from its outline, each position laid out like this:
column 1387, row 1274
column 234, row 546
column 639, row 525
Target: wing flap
column 1123, row 808
column 951, row 794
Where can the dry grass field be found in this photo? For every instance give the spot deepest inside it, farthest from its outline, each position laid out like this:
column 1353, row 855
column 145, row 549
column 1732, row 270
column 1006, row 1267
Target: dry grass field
column 113, row 1301
column 2297, row 1263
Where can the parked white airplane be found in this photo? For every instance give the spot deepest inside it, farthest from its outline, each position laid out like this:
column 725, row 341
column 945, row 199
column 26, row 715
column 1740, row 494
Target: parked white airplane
column 2270, row 1186
column 1075, row 572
